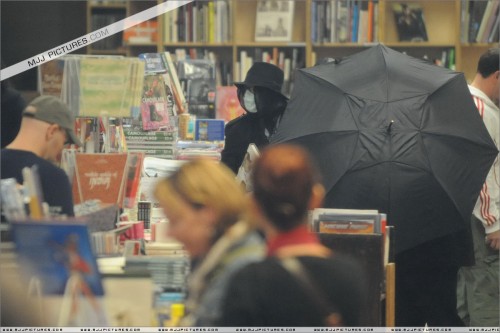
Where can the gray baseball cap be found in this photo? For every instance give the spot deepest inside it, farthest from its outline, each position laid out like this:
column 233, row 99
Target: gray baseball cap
column 52, row 110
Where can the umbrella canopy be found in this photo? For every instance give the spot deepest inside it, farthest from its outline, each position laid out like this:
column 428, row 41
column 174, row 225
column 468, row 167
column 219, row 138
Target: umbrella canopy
column 393, row 133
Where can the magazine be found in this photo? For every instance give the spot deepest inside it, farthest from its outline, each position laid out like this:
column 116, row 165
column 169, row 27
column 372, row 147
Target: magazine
column 274, row 21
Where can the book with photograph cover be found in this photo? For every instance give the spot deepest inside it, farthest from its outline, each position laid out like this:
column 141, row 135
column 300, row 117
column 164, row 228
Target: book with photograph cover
column 228, row 106
column 274, row 21
column 197, row 78
column 157, row 103
column 54, row 251
column 410, row 23
column 50, row 78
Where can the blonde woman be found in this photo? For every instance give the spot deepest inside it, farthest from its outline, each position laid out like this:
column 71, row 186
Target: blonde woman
column 205, row 208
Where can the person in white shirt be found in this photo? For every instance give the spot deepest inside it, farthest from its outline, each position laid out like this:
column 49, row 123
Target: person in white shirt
column 478, row 286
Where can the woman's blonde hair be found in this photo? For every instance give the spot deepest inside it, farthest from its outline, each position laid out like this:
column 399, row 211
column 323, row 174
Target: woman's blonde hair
column 205, row 183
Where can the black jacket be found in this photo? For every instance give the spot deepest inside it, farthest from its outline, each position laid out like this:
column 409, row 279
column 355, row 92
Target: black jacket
column 241, row 132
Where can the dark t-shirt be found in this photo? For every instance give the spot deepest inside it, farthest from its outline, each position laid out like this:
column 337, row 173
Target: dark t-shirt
column 54, row 182
column 265, row 294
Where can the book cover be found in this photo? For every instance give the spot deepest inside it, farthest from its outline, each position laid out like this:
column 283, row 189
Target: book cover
column 274, row 21
column 153, row 63
column 54, row 252
column 104, row 86
column 197, row 77
column 245, row 170
column 144, row 32
column 50, row 77
column 228, row 106
column 157, row 103
column 209, row 130
column 99, row 176
column 410, row 22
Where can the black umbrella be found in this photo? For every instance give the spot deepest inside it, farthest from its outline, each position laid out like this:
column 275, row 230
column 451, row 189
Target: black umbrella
column 393, row 133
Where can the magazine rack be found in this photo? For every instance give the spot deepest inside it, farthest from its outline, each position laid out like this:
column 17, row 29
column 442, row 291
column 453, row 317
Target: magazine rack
column 368, row 250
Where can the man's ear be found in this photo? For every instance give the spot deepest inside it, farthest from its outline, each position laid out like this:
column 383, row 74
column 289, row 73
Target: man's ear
column 51, row 130
column 317, row 196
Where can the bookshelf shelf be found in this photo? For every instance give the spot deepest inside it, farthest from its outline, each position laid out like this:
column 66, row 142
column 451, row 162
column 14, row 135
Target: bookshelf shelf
column 445, row 22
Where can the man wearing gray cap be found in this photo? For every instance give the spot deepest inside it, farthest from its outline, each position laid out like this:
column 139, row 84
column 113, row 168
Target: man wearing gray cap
column 47, row 126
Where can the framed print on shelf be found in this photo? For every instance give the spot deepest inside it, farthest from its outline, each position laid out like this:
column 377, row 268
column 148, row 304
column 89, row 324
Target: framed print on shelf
column 274, row 21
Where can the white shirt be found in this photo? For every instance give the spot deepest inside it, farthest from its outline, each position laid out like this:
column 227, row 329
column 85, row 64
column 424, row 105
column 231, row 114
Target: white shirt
column 487, row 208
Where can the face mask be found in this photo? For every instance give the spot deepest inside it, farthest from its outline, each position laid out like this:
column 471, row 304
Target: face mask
column 249, row 101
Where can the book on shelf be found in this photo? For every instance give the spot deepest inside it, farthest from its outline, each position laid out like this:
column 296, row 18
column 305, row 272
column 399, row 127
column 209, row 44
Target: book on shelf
column 245, row 170
column 103, row 19
column 197, row 78
column 490, row 16
column 199, row 21
column 274, row 21
column 228, row 105
column 142, row 33
column 410, row 23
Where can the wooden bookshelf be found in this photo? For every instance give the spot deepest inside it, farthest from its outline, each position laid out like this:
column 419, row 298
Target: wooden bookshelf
column 444, row 21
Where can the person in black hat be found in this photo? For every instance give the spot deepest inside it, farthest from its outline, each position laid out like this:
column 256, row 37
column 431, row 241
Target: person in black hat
column 260, row 95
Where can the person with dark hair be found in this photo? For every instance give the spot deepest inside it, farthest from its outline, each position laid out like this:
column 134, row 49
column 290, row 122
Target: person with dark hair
column 478, row 285
column 286, row 186
column 206, row 210
column 260, row 96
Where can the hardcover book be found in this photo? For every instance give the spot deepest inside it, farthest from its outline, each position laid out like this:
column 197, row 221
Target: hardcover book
column 274, row 21
column 197, row 77
column 410, row 22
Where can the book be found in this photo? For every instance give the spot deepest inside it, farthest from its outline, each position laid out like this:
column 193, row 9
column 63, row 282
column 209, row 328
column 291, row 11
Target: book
column 105, row 86
column 144, row 32
column 180, row 99
column 209, row 130
column 352, row 221
column 410, row 22
column 50, row 77
column 101, row 177
column 274, row 21
column 228, row 105
column 197, row 77
column 157, row 103
column 245, row 170
column 54, row 252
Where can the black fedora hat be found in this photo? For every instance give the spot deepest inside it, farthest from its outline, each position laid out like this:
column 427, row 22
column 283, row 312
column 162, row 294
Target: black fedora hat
column 263, row 74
